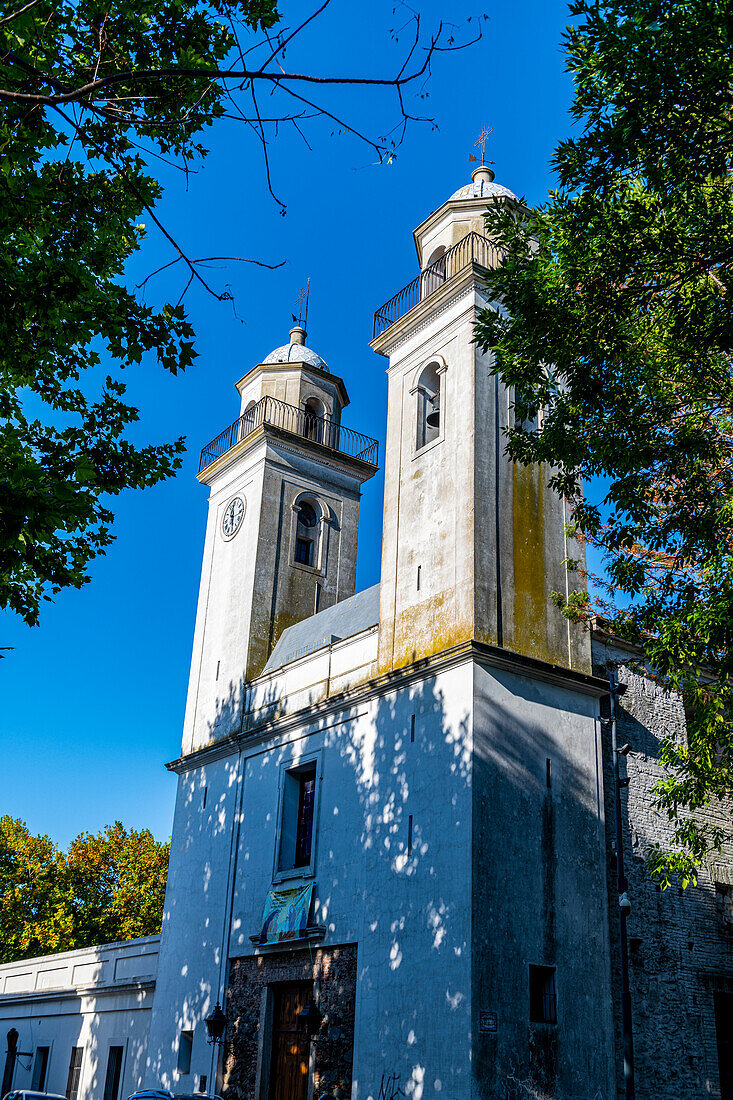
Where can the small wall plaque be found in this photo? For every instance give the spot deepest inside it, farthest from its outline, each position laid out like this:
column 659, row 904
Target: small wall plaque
column 487, row 1023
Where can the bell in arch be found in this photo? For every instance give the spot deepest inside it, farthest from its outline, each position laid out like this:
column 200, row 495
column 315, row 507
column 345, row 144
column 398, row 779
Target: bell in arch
column 433, row 417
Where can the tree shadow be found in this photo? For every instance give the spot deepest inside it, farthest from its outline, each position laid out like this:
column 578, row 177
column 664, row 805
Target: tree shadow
column 448, row 850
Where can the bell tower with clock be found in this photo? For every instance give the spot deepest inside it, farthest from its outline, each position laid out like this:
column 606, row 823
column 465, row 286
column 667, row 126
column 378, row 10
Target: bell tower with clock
column 284, row 481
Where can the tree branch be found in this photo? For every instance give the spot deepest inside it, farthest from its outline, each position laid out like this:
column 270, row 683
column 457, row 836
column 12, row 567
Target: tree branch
column 86, row 93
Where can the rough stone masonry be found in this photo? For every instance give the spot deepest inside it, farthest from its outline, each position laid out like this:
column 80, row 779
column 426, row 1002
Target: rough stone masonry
column 680, row 940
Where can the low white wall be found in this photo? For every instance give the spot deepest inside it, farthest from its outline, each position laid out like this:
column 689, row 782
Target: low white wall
column 94, row 998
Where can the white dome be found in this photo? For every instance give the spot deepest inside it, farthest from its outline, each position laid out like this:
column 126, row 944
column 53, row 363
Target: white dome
column 482, row 189
column 296, row 353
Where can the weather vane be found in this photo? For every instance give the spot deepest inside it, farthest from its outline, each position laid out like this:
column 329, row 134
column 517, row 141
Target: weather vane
column 302, row 303
column 482, row 139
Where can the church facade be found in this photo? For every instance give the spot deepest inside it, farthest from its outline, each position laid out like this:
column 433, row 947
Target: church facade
column 392, row 859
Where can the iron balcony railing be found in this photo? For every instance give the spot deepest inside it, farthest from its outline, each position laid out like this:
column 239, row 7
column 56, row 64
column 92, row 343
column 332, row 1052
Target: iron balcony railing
column 473, row 248
column 297, row 421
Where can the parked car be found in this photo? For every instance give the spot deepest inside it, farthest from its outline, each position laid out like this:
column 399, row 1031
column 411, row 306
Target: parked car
column 196, row 1096
column 152, row 1094
column 164, row 1094
column 27, row 1094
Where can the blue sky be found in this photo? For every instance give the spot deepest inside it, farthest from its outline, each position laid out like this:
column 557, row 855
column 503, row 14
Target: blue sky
column 93, row 698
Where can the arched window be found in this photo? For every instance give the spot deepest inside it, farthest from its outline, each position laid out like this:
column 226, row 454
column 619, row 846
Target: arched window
column 306, row 534
column 313, row 422
column 249, row 416
column 435, row 271
column 247, row 420
column 428, row 405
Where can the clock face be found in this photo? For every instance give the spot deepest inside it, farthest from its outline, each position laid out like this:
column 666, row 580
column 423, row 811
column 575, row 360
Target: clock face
column 231, row 521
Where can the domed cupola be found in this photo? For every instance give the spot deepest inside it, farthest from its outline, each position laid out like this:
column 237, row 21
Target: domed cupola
column 297, row 376
column 461, row 214
column 296, row 351
column 482, row 186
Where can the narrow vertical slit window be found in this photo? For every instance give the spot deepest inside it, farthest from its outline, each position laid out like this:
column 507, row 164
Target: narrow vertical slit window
column 412, row 727
column 548, row 772
column 218, row 664
column 203, row 801
column 114, row 1071
column 305, row 534
column 542, row 996
column 185, row 1048
column 304, row 832
column 72, row 1081
column 419, row 570
column 297, row 818
column 409, row 835
column 40, row 1069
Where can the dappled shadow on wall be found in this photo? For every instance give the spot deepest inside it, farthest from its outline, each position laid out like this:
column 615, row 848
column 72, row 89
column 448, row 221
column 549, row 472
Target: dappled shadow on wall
column 427, row 806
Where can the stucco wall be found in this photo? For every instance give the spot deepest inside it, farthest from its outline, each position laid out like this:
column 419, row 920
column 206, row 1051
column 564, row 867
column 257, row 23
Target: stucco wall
column 251, row 588
column 539, row 892
column 409, row 913
column 92, row 998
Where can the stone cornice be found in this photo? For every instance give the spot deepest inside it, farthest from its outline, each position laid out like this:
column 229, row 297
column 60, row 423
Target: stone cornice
column 465, row 208
column 423, row 313
column 295, row 365
column 295, row 444
column 38, row 996
column 376, row 687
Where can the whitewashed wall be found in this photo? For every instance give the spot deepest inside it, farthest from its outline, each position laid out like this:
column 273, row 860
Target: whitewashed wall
column 93, row 998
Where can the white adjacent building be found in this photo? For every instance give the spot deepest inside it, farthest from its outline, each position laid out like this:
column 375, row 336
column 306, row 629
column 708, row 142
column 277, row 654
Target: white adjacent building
column 389, row 862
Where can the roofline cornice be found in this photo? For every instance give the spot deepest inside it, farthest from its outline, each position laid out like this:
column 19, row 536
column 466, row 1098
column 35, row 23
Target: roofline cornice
column 466, row 207
column 295, row 444
column 376, row 687
column 297, row 364
column 467, row 279
column 37, row 996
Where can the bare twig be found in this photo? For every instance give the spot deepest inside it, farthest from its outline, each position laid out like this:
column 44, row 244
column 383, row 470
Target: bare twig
column 283, row 43
column 206, row 260
column 191, row 264
column 15, row 14
column 93, row 87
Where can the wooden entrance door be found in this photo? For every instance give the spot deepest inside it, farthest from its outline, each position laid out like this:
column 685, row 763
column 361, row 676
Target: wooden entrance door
column 289, row 1069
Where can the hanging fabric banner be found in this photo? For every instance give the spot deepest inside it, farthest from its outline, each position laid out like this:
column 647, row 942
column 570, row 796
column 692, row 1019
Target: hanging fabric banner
column 286, row 914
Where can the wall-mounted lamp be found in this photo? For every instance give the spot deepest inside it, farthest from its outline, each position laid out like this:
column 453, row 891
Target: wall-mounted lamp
column 309, row 1019
column 216, row 1023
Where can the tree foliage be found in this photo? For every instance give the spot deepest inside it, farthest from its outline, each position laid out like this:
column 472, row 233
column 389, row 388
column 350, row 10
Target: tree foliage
column 622, row 282
column 105, row 887
column 92, row 94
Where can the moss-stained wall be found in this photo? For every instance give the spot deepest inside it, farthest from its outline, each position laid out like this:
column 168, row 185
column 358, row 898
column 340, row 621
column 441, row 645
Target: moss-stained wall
column 487, row 536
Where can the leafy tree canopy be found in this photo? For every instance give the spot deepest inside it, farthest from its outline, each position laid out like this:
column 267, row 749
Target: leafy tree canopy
column 617, row 324
column 105, row 887
column 92, row 93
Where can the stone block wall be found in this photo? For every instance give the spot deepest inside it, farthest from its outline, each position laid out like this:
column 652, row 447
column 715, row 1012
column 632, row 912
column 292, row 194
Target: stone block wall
column 681, row 941
column 333, row 972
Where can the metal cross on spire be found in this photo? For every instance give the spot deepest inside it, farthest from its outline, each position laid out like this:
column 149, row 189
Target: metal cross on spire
column 302, row 303
column 482, row 139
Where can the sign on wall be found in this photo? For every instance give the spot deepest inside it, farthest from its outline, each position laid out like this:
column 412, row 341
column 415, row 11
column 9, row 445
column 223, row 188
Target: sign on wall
column 487, row 1023
column 286, row 914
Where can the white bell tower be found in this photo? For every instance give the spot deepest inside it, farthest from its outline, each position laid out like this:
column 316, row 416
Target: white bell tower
column 473, row 545
column 284, row 482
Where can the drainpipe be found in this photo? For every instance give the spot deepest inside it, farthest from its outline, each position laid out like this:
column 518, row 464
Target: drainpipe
column 624, row 906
